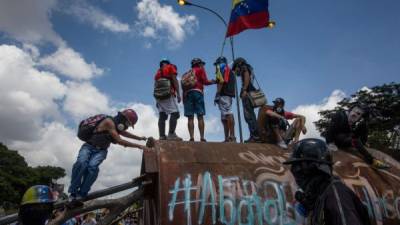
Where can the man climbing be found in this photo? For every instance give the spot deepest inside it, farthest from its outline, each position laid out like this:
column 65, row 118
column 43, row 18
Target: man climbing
column 245, row 71
column 36, row 206
column 323, row 198
column 193, row 83
column 226, row 82
column 98, row 132
column 349, row 129
column 273, row 124
column 167, row 94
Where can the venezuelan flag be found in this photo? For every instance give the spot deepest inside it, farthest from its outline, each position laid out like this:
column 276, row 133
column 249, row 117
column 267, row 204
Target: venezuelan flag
column 248, row 14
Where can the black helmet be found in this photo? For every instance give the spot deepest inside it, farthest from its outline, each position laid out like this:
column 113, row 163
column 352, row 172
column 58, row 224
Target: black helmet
column 164, row 61
column 238, row 62
column 197, row 62
column 312, row 150
column 279, row 101
column 220, row 60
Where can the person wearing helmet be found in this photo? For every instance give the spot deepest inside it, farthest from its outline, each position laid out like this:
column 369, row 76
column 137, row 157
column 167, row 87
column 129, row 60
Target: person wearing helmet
column 349, row 129
column 274, row 121
column 36, row 205
column 168, row 105
column 105, row 131
column 245, row 71
column 193, row 97
column 226, row 82
column 323, row 198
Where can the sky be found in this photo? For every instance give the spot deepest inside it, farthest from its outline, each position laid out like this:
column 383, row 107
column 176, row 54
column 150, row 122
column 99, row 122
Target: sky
column 64, row 60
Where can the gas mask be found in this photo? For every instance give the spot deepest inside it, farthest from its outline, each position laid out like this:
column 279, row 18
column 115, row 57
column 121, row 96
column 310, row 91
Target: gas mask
column 355, row 115
column 121, row 122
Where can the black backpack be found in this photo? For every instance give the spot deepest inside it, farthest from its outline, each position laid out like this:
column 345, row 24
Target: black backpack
column 86, row 127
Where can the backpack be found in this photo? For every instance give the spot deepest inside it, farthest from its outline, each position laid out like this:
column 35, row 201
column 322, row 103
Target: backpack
column 86, row 127
column 162, row 88
column 188, row 80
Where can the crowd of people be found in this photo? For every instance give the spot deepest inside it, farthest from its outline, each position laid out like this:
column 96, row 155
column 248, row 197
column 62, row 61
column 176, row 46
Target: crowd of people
column 311, row 161
column 347, row 129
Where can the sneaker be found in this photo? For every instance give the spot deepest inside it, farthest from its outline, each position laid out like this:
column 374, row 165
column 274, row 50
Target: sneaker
column 378, row 164
column 283, row 145
column 74, row 201
column 253, row 139
column 162, row 138
column 173, row 137
column 203, row 140
column 232, row 139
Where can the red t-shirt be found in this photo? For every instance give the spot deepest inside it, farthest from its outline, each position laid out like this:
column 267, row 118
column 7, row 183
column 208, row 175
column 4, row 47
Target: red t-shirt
column 168, row 72
column 202, row 79
column 287, row 115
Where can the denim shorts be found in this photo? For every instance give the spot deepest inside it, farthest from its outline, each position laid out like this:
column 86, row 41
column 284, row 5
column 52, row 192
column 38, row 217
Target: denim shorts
column 194, row 104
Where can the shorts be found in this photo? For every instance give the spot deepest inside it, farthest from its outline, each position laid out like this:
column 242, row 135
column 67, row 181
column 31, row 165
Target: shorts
column 194, row 104
column 168, row 105
column 225, row 106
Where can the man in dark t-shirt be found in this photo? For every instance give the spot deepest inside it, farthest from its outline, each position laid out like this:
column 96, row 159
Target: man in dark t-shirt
column 349, row 129
column 245, row 72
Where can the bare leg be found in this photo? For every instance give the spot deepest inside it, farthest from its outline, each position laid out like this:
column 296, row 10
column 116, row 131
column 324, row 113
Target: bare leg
column 261, row 121
column 191, row 127
column 226, row 128
column 231, row 126
column 298, row 127
column 201, row 126
column 277, row 135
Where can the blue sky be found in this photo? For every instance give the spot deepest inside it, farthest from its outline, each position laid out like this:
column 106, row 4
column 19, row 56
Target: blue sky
column 316, row 46
column 63, row 60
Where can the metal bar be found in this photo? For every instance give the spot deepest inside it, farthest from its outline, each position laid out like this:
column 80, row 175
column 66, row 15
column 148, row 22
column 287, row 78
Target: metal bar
column 97, row 194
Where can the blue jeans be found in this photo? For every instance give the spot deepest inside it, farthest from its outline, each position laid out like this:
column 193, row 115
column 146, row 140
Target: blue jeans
column 250, row 116
column 86, row 169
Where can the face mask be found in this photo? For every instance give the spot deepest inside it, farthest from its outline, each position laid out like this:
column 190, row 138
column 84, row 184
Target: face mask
column 279, row 109
column 121, row 122
column 355, row 115
column 222, row 66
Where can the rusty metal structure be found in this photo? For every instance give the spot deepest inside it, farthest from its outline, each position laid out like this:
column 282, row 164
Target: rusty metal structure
column 188, row 183
column 223, row 183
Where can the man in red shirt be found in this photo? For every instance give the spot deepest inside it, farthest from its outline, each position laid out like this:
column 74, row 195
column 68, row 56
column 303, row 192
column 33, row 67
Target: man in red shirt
column 193, row 98
column 169, row 105
column 273, row 120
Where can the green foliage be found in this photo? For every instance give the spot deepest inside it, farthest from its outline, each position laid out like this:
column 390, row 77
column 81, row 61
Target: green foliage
column 16, row 176
column 384, row 102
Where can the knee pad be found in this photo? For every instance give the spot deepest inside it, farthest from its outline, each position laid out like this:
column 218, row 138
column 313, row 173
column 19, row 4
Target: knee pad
column 175, row 115
column 163, row 116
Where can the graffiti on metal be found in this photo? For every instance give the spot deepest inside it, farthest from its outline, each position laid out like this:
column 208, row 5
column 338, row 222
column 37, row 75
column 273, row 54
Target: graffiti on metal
column 266, row 196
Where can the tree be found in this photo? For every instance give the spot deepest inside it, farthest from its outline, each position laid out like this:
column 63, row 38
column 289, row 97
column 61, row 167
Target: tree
column 384, row 102
column 16, row 176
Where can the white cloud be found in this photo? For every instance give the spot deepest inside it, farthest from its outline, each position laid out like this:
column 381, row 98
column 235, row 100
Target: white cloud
column 311, row 112
column 83, row 100
column 28, row 20
column 161, row 21
column 28, row 96
column 97, row 18
column 70, row 63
